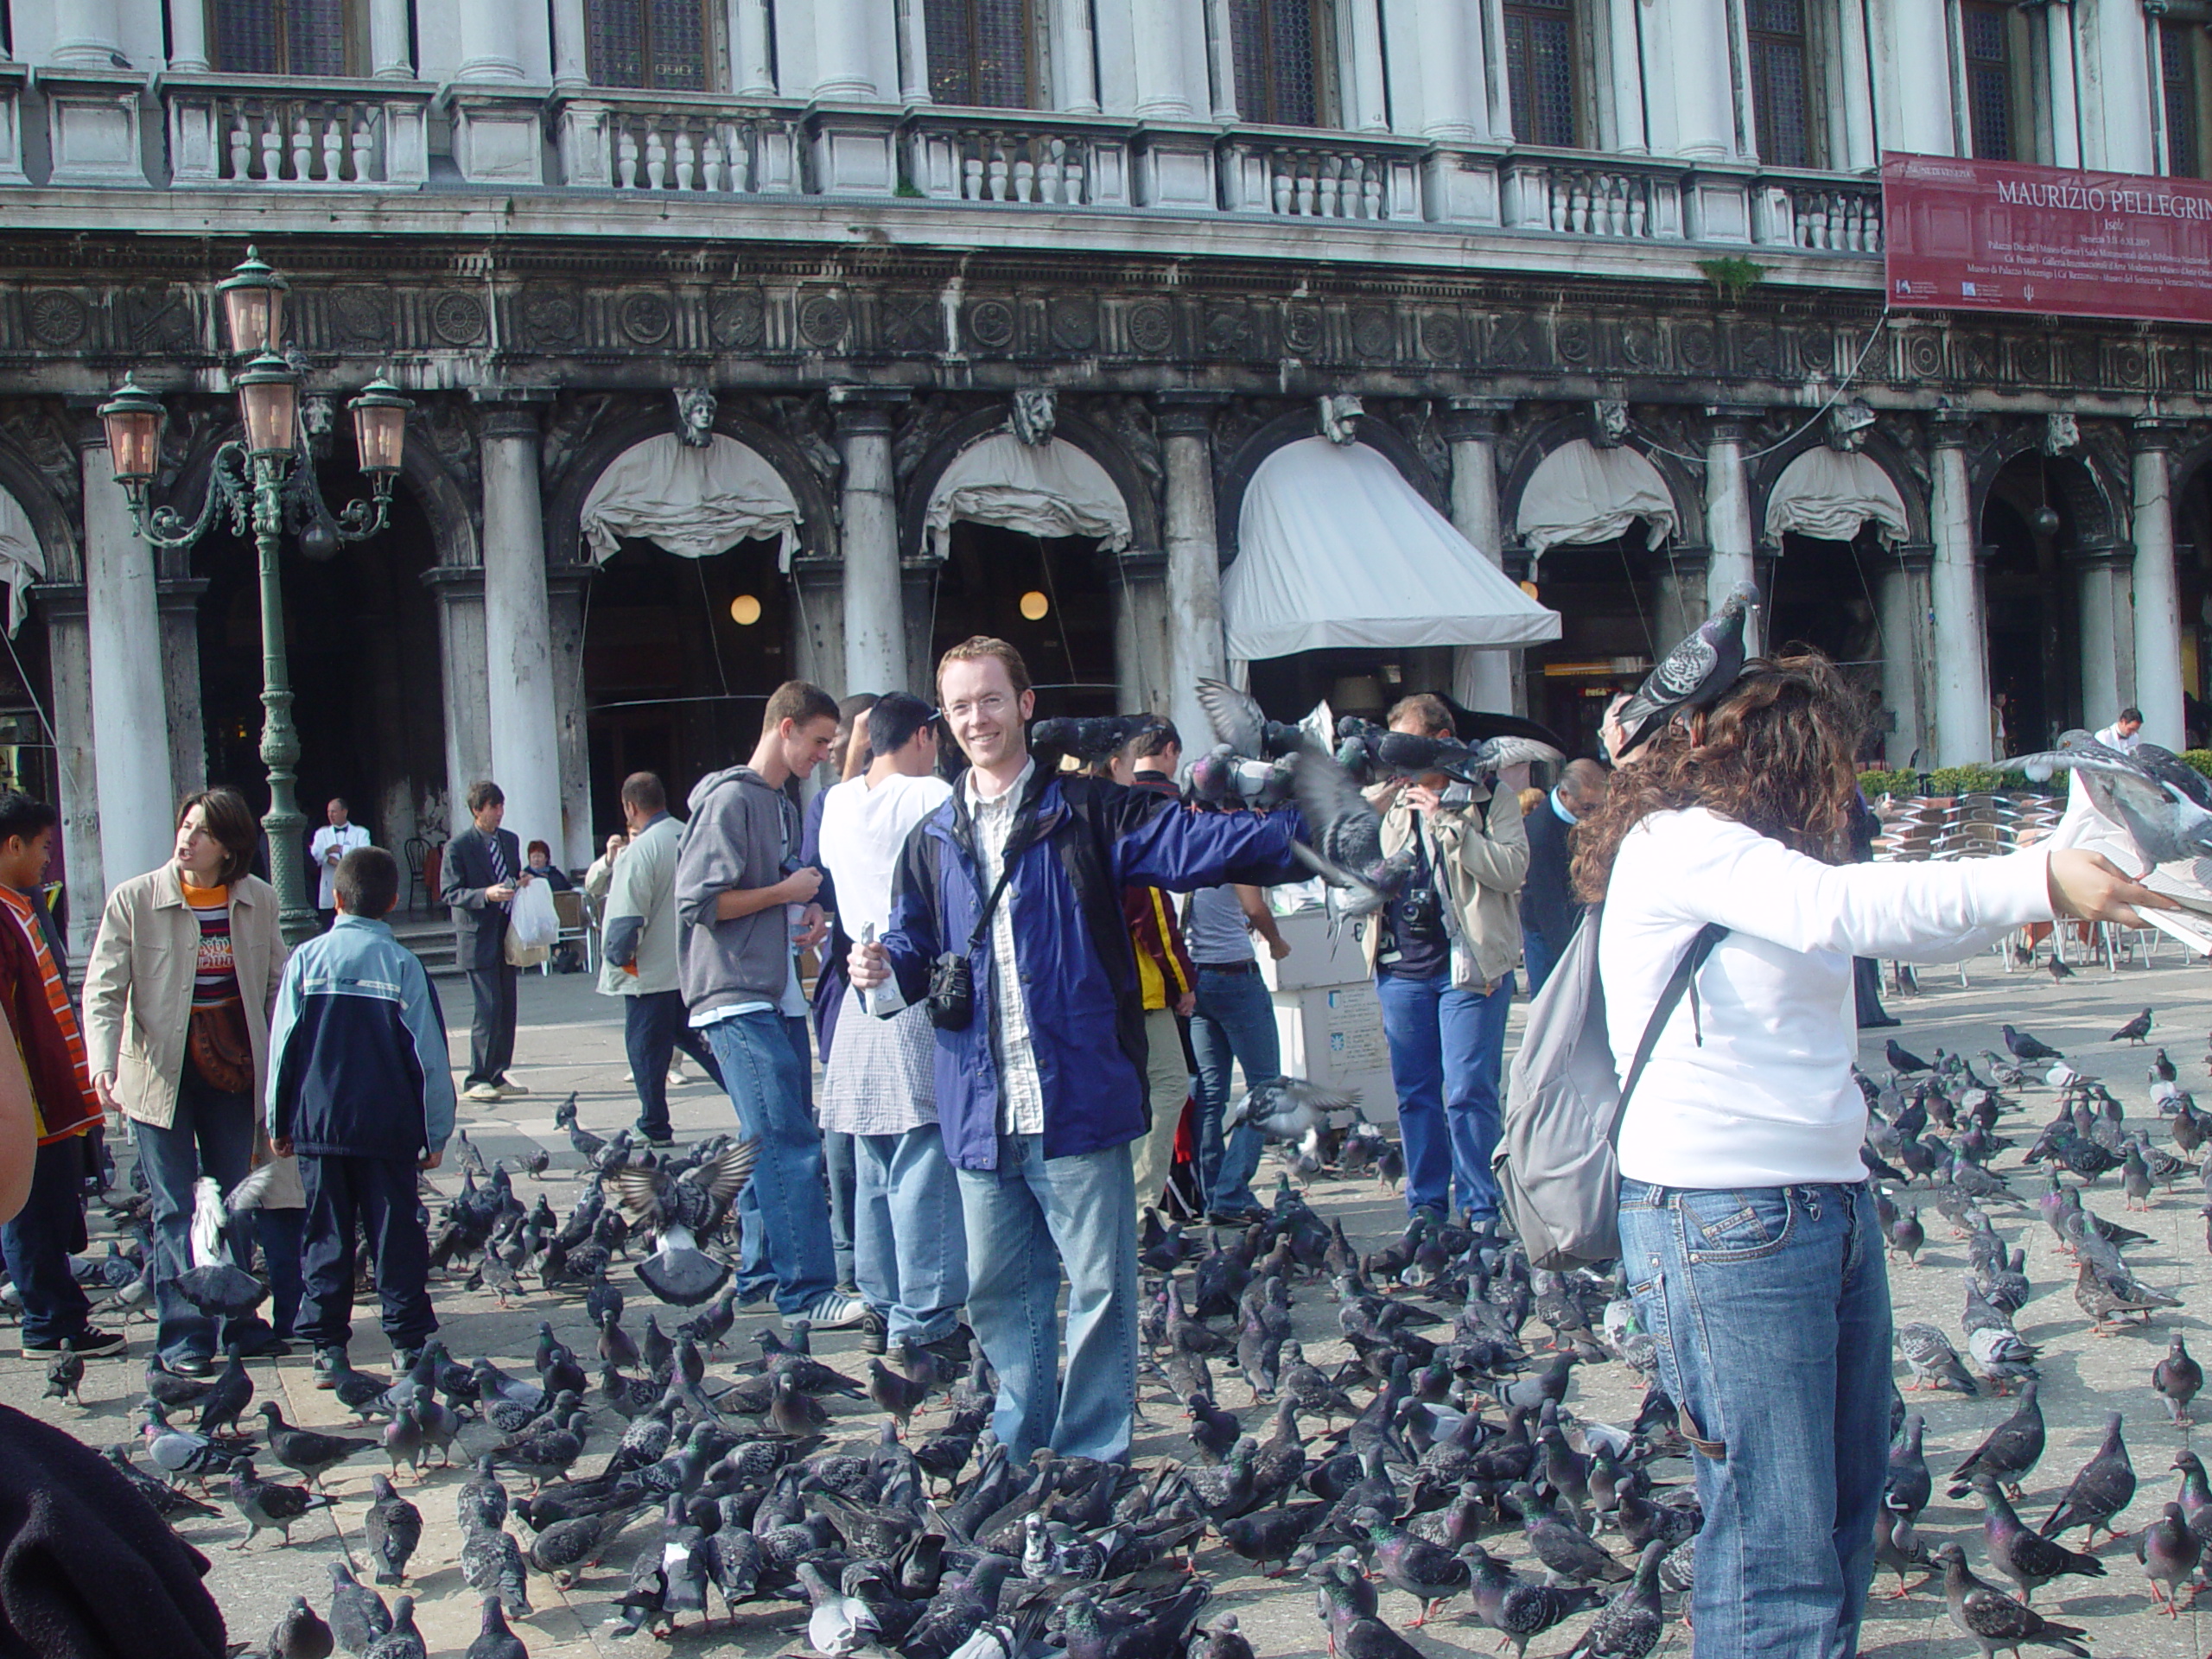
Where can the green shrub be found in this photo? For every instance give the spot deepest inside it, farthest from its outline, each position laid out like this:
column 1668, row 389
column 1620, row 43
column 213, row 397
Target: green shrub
column 1875, row 784
column 2198, row 760
column 1948, row 781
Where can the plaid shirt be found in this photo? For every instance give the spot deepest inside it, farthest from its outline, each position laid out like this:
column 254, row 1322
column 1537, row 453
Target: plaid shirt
column 1023, row 1112
column 59, row 1116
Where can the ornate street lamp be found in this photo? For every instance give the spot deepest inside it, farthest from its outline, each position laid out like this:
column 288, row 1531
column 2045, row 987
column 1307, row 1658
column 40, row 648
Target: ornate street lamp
column 266, row 484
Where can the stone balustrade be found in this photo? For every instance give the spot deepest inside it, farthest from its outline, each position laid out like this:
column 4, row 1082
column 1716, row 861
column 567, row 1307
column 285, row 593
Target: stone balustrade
column 687, row 143
column 1321, row 175
column 278, row 131
column 1006, row 157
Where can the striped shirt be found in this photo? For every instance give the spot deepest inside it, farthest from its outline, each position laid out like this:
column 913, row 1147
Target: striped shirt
column 58, row 1120
column 215, row 979
column 1023, row 1112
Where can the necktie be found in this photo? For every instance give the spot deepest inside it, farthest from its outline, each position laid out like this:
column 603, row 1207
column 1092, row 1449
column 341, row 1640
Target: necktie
column 498, row 863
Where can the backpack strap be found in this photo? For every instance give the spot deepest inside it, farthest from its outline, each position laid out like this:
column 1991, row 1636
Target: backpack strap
column 1677, row 982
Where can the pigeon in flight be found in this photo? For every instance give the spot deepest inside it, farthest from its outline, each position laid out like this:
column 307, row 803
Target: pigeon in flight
column 2165, row 804
column 1347, row 850
column 1694, row 673
column 1239, row 722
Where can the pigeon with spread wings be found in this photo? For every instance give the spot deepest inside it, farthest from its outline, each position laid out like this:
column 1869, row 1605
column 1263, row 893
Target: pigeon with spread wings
column 679, row 1209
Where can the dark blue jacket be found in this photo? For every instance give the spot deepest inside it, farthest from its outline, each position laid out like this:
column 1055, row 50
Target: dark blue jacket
column 1076, row 844
column 358, row 1066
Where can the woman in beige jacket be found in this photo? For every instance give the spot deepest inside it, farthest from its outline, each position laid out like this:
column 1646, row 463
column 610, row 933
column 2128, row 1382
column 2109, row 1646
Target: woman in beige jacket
column 177, row 995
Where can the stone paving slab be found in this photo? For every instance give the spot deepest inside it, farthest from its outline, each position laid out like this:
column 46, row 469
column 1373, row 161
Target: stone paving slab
column 572, row 1040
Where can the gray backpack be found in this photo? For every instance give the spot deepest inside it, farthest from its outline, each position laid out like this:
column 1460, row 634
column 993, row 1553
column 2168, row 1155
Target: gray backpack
column 1555, row 1163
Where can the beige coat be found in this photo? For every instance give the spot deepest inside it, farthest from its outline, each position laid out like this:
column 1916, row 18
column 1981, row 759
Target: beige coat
column 1484, row 862
column 138, row 994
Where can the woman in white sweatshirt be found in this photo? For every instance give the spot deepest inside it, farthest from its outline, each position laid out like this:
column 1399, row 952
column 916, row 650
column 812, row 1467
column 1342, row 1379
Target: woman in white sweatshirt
column 1748, row 1235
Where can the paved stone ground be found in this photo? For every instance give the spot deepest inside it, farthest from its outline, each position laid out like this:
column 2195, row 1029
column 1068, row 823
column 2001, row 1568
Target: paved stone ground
column 572, row 1040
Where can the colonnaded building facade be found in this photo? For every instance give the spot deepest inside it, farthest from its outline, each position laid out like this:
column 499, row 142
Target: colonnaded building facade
column 754, row 338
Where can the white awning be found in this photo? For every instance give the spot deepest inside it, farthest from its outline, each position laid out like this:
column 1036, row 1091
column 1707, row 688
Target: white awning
column 1047, row 490
column 1580, row 493
column 1830, row 493
column 22, row 561
column 694, row 502
column 1335, row 549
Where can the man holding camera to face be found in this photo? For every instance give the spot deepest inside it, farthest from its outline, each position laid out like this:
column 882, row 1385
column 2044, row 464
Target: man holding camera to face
column 1006, row 915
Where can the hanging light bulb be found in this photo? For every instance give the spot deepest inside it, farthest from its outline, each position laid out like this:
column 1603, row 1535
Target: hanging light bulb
column 745, row 610
column 1035, row 604
column 2045, row 520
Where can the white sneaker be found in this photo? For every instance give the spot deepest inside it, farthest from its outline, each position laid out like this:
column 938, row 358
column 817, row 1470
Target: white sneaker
column 485, row 1092
column 506, row 1089
column 832, row 1311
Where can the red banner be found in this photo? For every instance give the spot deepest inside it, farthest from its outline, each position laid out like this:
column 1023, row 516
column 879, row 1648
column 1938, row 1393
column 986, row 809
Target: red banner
column 2002, row 236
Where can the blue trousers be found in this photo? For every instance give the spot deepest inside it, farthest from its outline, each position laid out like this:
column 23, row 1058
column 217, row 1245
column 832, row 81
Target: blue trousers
column 782, row 1223
column 1446, row 1049
column 910, row 1245
column 654, row 1025
column 378, row 1193
column 38, row 1241
column 1537, row 957
column 210, row 1133
column 1026, row 1220
column 1233, row 1021
column 1770, row 1307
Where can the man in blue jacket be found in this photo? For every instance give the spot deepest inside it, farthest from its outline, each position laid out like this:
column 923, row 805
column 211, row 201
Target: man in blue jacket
column 1042, row 1091
column 360, row 1087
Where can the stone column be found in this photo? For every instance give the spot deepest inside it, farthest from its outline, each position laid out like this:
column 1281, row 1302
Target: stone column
column 1143, row 644
column 1855, row 109
column 88, row 33
column 1688, row 84
column 876, row 620
column 1194, row 637
column 1451, row 74
column 179, row 608
column 490, row 31
column 1678, row 596
column 1728, row 516
column 1626, row 51
column 518, row 629
column 750, row 60
column 1909, row 44
column 571, row 51
column 130, row 720
column 817, row 643
column 1962, row 735
column 1165, row 57
column 1366, row 104
column 460, row 588
column 843, row 64
column 187, row 36
column 1908, row 654
column 1075, row 69
column 388, row 55
column 2108, row 665
column 2065, row 108
column 2157, row 600
column 564, row 593
column 1481, row 678
column 68, row 650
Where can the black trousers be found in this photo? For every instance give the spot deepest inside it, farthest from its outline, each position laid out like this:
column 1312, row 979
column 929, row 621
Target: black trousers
column 492, row 1027
column 378, row 1194
column 37, row 1241
column 654, row 1025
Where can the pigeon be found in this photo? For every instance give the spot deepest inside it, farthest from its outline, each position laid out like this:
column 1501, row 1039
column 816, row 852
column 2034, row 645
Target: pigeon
column 1239, row 722
column 358, row 1614
column 491, row 1563
column 2023, row 1554
column 2025, row 1047
column 301, row 1634
column 1287, row 1109
column 1347, row 848
column 2058, row 968
column 1898, row 1547
column 1516, row 1608
column 1995, row 1621
column 1935, row 1363
column 269, row 1506
column 306, row 1450
column 64, row 1374
column 167, row 1500
column 2165, row 805
column 2135, row 1030
column 1694, row 675
column 1425, row 1572
column 2169, row 1552
column 215, row 1284
column 393, row 1528
column 480, row 1501
column 1631, row 1623
column 2009, row 1451
column 2104, row 1486
column 403, row 1640
column 177, row 1452
column 1091, row 739
column 678, row 1210
column 1904, row 1059
column 495, row 1640
column 2177, row 1377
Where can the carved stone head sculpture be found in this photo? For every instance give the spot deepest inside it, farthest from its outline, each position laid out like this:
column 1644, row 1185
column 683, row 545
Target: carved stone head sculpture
column 1608, row 422
column 1847, row 425
column 695, row 415
column 1036, row 410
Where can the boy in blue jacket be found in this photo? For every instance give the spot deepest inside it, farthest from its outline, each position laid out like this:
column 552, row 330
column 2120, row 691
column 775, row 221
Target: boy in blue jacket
column 361, row 1088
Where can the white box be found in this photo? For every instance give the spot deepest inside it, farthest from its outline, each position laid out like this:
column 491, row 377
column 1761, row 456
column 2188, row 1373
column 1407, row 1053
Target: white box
column 1333, row 1035
column 1316, row 961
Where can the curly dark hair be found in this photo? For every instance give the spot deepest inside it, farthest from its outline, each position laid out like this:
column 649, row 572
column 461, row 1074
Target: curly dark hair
column 1777, row 753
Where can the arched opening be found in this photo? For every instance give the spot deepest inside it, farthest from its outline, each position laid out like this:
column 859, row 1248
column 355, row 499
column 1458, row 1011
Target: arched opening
column 2193, row 577
column 1053, row 598
column 2060, row 618
column 680, row 655
column 1823, row 596
column 361, row 630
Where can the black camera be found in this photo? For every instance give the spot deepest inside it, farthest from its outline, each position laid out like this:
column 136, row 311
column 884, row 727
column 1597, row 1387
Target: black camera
column 952, row 992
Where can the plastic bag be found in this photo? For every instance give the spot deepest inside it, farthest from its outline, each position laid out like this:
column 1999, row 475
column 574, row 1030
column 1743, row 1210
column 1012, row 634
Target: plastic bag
column 531, row 918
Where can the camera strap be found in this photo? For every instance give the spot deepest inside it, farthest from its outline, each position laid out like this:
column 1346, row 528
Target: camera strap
column 1014, row 846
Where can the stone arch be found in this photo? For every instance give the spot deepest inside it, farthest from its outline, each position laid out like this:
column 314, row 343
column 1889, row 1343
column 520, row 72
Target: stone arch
column 1539, row 441
column 2097, row 504
column 1881, row 449
column 1110, row 454
column 1236, row 476
column 49, row 517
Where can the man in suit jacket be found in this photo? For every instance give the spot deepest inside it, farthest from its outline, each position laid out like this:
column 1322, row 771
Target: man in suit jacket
column 1549, row 912
column 483, row 871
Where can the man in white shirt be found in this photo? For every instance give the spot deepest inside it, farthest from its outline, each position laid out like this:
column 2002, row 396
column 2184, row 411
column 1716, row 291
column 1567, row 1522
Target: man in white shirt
column 339, row 837
column 909, row 1246
column 2125, row 733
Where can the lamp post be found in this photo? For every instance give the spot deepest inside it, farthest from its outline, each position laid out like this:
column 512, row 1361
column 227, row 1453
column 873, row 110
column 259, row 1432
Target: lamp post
column 265, row 483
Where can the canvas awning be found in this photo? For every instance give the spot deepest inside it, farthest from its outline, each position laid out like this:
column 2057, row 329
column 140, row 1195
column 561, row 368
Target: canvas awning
column 1580, row 493
column 1336, row 549
column 1830, row 493
column 22, row 561
column 1046, row 490
column 693, row 501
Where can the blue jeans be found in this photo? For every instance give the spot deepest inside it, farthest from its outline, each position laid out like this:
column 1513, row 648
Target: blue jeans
column 282, row 1235
column 654, row 1025
column 1446, row 1048
column 210, row 1133
column 1234, row 1019
column 1770, row 1307
column 1027, row 1219
column 910, row 1245
column 841, row 1166
column 1537, row 957
column 38, row 1241
column 783, row 1224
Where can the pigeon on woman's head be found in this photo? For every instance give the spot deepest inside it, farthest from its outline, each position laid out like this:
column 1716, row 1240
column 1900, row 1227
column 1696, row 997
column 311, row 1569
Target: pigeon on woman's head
column 1695, row 674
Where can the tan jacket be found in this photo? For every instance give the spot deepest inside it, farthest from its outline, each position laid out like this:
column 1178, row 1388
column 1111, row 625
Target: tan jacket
column 139, row 986
column 1483, row 864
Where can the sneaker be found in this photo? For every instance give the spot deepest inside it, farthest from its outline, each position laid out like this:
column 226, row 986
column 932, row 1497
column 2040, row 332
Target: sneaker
column 404, row 1360
column 506, row 1089
column 88, row 1344
column 875, row 1333
column 330, row 1364
column 831, row 1311
column 269, row 1346
column 486, row 1093
column 656, row 1138
column 192, row 1365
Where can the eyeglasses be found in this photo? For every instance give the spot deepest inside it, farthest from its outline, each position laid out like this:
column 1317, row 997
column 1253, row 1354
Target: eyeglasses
column 989, row 707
